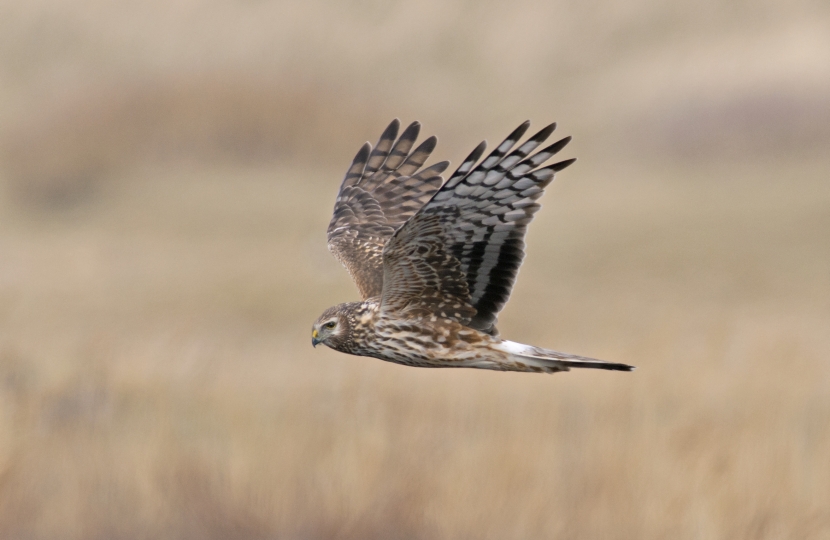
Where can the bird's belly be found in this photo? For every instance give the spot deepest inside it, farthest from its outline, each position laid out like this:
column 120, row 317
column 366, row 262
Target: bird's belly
column 425, row 345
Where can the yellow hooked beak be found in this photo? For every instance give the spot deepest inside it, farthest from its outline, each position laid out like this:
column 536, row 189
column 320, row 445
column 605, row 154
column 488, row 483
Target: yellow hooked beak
column 315, row 338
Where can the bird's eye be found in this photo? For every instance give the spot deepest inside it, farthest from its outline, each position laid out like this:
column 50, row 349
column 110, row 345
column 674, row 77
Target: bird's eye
column 330, row 324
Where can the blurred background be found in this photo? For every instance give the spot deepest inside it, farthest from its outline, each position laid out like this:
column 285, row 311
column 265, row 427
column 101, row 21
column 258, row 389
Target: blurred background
column 167, row 172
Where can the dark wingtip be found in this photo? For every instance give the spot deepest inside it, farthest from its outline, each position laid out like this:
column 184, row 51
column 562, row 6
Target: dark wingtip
column 363, row 153
column 556, row 167
column 477, row 152
column 470, row 161
column 391, row 131
column 440, row 167
column 519, row 131
column 428, row 145
column 545, row 132
column 556, row 147
column 411, row 131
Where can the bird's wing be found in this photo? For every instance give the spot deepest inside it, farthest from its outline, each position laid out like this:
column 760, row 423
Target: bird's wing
column 383, row 188
column 459, row 255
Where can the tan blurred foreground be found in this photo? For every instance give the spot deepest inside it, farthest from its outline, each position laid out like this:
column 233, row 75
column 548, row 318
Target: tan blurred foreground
column 162, row 257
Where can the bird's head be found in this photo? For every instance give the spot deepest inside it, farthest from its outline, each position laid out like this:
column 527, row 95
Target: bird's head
column 332, row 328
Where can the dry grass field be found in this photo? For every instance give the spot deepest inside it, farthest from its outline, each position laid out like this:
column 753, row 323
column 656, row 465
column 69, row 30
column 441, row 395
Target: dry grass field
column 167, row 174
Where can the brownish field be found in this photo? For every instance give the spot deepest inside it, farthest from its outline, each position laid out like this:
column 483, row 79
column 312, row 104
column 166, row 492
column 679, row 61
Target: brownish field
column 167, row 177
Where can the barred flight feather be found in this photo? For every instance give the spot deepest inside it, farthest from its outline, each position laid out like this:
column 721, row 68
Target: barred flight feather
column 382, row 189
column 485, row 211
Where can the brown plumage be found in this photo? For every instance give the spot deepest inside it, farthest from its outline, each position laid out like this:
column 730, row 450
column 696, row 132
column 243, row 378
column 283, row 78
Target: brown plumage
column 435, row 262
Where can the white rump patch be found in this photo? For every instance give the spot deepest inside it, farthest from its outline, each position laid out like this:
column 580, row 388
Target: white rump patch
column 515, row 348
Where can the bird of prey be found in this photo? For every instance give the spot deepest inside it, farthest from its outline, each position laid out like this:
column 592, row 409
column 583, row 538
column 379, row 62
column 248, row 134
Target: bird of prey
column 434, row 261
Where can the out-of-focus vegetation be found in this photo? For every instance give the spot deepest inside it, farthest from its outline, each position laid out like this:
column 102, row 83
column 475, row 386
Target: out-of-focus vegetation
column 167, row 171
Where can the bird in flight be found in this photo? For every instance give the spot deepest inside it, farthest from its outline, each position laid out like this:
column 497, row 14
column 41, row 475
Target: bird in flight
column 435, row 262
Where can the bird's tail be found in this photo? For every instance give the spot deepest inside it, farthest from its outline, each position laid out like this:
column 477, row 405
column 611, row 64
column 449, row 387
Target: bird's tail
column 523, row 357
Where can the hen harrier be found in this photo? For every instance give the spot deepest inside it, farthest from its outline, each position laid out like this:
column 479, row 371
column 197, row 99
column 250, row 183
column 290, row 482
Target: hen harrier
column 435, row 262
